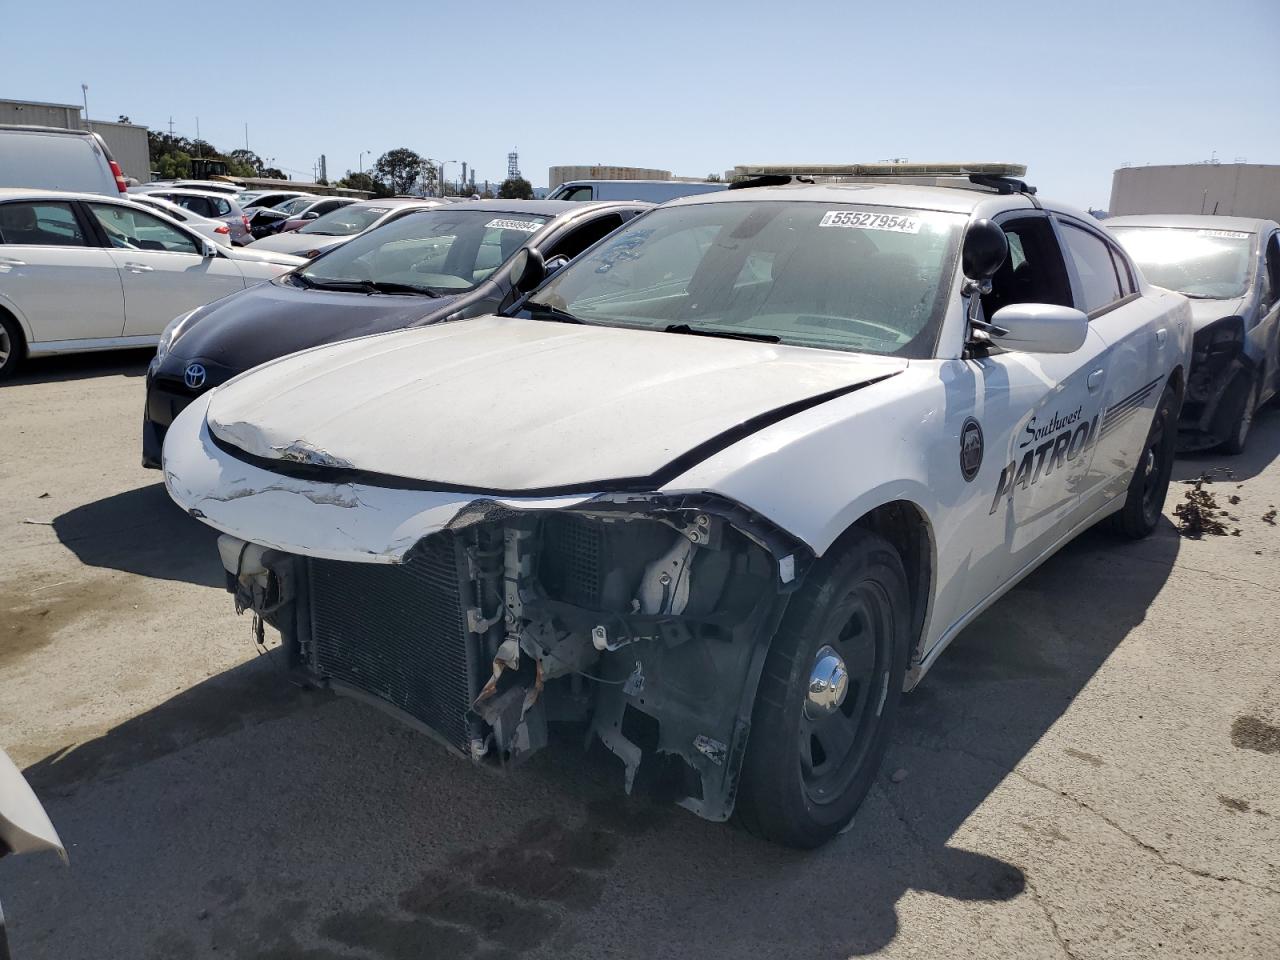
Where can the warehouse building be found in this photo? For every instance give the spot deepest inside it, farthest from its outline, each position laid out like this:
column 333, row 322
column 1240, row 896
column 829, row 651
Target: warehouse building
column 560, row 174
column 1226, row 189
column 126, row 141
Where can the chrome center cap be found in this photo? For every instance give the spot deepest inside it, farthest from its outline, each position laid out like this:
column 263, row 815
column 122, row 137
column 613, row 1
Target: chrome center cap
column 828, row 684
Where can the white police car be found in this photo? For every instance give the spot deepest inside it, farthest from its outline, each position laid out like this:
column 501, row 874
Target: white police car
column 720, row 489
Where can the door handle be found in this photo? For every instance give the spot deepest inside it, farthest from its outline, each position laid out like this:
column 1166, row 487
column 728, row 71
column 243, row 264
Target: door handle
column 1161, row 336
column 11, row 262
column 1095, row 379
column 138, row 268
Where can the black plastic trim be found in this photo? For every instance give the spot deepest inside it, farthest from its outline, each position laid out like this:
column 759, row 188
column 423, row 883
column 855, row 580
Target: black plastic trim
column 659, row 478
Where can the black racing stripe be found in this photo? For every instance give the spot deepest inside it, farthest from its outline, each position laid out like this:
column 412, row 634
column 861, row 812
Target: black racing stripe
column 1108, row 427
column 1128, row 405
column 646, row 484
column 1138, row 394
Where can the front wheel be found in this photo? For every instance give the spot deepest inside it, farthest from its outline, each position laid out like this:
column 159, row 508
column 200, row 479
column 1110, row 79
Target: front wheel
column 11, row 344
column 1150, row 484
column 828, row 695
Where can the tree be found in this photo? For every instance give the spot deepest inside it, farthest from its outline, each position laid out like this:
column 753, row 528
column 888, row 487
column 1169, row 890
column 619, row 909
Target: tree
column 515, row 188
column 244, row 163
column 713, row 178
column 274, row 173
column 362, row 181
column 174, row 166
column 399, row 169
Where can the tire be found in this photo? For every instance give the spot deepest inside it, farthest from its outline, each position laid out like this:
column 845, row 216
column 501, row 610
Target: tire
column 12, row 346
column 855, row 601
column 1242, row 405
column 1150, row 484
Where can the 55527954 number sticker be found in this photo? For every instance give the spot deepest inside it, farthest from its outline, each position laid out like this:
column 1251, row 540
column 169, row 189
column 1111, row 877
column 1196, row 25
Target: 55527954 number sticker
column 869, row 221
column 524, row 226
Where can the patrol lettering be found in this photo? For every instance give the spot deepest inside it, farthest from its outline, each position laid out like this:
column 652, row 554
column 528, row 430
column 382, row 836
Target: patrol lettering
column 1041, row 460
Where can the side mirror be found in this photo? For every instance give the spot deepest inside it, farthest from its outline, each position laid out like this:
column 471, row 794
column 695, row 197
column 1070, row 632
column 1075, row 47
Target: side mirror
column 528, row 269
column 985, row 249
column 554, row 264
column 1039, row 328
column 311, row 215
column 208, row 249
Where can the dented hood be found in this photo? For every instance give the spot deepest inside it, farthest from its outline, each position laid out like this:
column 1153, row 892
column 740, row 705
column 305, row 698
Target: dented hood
column 509, row 405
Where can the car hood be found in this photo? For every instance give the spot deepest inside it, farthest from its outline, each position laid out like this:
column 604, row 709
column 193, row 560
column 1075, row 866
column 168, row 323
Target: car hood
column 264, row 256
column 269, row 320
column 1205, row 312
column 501, row 404
column 296, row 243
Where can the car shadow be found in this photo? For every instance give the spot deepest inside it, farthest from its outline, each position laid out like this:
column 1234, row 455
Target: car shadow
column 1260, row 449
column 142, row 531
column 274, row 821
column 83, row 366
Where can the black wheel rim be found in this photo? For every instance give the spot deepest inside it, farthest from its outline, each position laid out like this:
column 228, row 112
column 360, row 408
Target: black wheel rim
column 833, row 746
column 6, row 346
column 1157, row 462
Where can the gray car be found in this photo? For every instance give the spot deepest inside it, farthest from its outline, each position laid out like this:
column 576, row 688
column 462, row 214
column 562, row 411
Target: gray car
column 1230, row 269
column 206, row 203
column 339, row 226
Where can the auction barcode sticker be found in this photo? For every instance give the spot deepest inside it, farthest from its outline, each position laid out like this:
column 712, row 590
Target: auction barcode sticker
column 870, row 221
column 525, row 225
column 1223, row 234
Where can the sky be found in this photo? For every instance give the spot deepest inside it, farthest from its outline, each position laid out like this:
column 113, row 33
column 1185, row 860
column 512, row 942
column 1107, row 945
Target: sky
column 1072, row 88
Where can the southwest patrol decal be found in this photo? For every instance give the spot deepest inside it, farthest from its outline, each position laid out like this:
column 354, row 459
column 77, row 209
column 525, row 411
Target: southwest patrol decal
column 970, row 449
column 1050, row 445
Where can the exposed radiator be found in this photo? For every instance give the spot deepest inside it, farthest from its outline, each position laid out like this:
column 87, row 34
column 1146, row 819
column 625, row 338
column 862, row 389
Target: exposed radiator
column 397, row 633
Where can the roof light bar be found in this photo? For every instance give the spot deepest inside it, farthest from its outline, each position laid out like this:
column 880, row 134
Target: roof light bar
column 879, row 169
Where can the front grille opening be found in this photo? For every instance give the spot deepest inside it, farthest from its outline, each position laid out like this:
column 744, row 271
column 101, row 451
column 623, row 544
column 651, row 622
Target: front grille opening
column 398, row 633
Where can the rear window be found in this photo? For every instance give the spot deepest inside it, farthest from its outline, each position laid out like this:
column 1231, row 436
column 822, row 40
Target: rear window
column 54, row 162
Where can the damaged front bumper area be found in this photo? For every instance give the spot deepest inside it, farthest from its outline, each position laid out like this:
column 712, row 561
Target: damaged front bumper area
column 643, row 619
column 1219, row 367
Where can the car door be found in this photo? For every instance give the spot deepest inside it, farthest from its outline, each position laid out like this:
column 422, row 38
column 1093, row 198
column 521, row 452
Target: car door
column 1133, row 363
column 54, row 272
column 1268, row 329
column 162, row 267
column 1035, row 415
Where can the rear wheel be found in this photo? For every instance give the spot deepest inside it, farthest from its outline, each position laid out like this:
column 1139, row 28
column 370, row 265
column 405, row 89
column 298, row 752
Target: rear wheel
column 828, row 696
column 1150, row 484
column 1242, row 404
column 12, row 346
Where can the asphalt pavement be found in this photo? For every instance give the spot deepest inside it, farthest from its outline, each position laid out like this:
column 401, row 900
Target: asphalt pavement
column 1091, row 771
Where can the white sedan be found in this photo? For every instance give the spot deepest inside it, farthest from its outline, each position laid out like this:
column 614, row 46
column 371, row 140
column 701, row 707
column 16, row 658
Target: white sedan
column 720, row 489
column 85, row 272
column 215, row 230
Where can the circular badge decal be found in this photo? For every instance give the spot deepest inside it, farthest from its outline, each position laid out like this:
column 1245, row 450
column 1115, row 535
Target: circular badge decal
column 970, row 449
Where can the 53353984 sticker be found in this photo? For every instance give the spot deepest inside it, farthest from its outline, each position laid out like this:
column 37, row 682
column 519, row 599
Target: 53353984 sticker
column 503, row 224
column 870, row 221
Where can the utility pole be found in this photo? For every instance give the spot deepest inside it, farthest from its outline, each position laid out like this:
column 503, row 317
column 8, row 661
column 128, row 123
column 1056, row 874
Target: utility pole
column 324, row 170
column 246, row 138
column 171, row 125
column 84, row 90
column 197, row 136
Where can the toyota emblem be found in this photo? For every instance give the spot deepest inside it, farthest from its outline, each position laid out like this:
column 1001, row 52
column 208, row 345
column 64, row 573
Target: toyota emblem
column 194, row 376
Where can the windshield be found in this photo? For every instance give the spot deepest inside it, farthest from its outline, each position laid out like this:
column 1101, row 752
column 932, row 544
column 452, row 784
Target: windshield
column 346, row 221
column 838, row 276
column 296, row 205
column 438, row 250
column 1206, row 264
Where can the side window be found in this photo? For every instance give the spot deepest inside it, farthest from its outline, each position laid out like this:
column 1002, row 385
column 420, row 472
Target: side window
column 578, row 193
column 40, row 225
column 220, row 207
column 1099, row 282
column 1273, row 268
column 134, row 230
column 1034, row 271
column 584, row 236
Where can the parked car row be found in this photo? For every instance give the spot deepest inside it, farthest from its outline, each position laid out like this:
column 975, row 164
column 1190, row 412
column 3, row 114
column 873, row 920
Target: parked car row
column 718, row 480
column 719, row 490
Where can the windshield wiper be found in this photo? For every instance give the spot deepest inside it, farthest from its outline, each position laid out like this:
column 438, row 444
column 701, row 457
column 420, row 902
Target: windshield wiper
column 370, row 286
column 727, row 334
column 552, row 313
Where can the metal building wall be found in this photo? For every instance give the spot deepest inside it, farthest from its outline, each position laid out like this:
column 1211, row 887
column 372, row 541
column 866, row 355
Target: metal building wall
column 1228, row 189
column 128, row 144
column 558, row 175
column 31, row 113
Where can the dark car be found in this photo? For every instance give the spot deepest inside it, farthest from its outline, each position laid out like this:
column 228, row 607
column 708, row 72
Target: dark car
column 444, row 263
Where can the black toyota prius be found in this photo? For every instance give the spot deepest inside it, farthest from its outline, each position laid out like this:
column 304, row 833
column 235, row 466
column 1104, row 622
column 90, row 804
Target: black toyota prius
column 445, row 263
